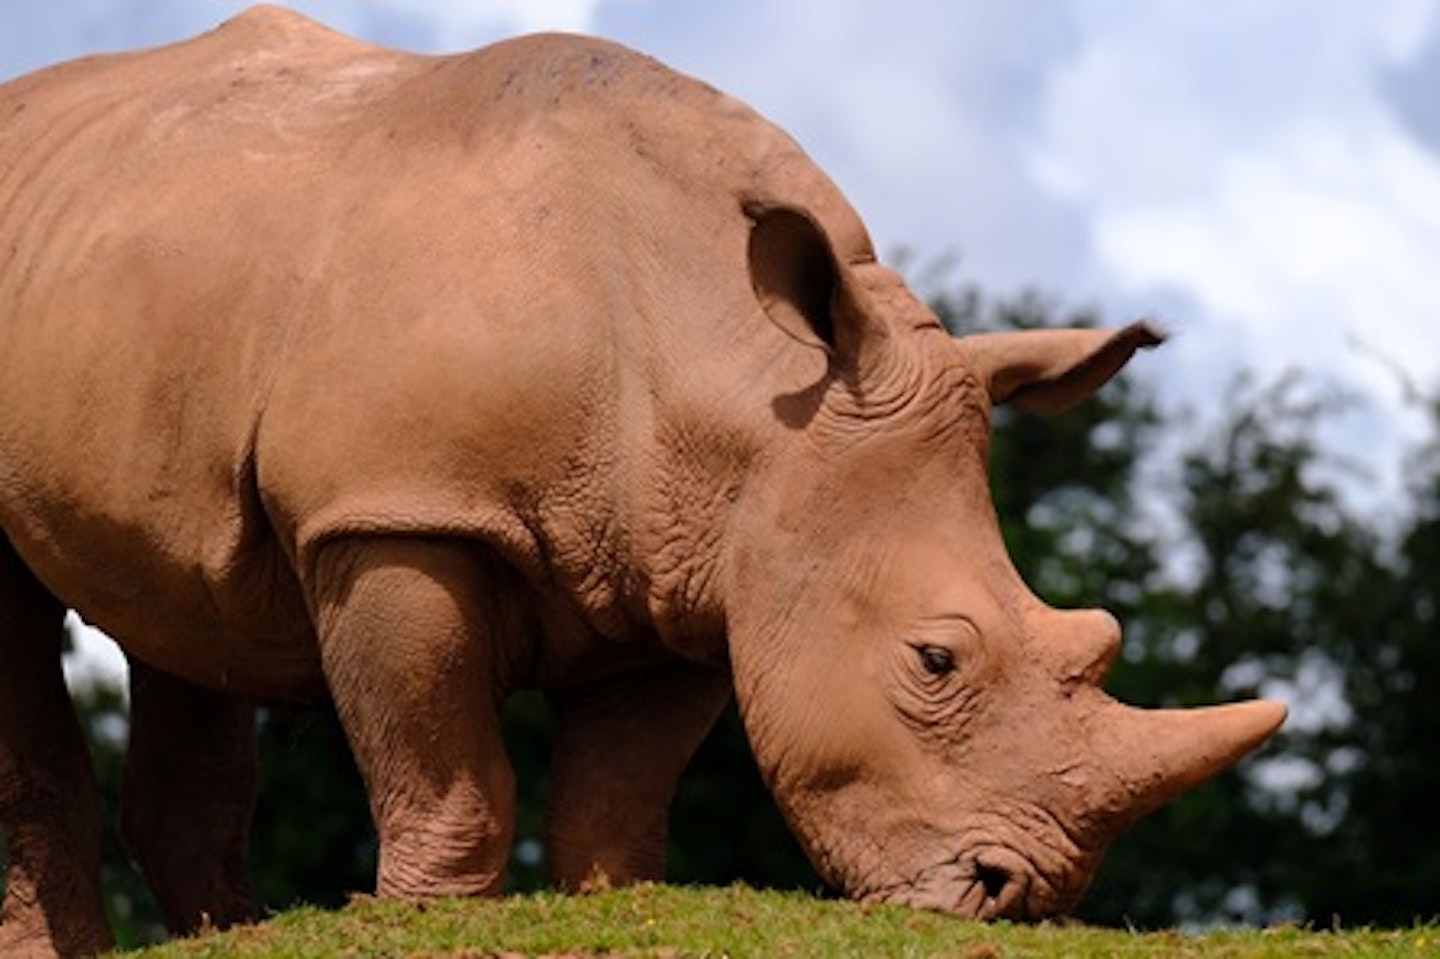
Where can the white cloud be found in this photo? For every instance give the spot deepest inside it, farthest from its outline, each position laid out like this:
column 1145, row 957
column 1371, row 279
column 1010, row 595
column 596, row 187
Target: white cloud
column 1242, row 155
column 1402, row 27
column 1333, row 227
column 94, row 659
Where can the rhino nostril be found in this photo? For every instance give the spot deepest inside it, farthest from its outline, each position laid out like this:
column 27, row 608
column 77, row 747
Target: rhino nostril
column 993, row 879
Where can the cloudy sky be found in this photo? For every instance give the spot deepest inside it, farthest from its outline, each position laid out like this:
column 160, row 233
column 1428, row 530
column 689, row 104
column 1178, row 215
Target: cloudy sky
column 1262, row 175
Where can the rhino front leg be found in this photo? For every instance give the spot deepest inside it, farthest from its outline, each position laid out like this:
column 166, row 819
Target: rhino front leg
column 48, row 806
column 408, row 639
column 620, row 747
column 188, row 797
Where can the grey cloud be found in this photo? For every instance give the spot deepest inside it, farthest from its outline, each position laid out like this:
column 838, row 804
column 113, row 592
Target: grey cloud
column 923, row 112
column 1411, row 91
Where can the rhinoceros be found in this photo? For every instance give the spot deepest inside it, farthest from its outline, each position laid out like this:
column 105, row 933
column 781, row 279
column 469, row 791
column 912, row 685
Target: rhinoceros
column 411, row 381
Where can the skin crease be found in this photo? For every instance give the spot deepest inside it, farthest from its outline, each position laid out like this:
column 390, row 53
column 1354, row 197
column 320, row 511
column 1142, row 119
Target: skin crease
column 414, row 381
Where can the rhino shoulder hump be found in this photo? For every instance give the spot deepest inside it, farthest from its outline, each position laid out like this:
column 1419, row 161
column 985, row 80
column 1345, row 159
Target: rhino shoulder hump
column 268, row 24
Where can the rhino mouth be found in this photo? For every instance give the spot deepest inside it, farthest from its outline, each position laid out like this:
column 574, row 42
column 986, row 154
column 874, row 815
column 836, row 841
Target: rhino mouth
column 987, row 883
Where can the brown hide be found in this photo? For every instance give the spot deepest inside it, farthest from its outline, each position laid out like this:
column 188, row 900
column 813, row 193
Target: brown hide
column 414, row 380
column 292, row 287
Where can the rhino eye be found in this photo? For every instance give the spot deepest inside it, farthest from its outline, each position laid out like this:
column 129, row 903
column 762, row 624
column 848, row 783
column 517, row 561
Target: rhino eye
column 937, row 660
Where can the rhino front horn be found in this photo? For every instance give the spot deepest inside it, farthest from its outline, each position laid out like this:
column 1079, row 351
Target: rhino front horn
column 1161, row 753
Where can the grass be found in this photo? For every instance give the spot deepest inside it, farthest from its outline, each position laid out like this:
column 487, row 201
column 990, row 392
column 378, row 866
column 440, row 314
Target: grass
column 667, row 922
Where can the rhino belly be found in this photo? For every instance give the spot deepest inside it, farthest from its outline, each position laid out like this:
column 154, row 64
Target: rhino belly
column 227, row 615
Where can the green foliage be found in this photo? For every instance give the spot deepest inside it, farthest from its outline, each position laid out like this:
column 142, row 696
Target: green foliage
column 1388, row 836
column 311, row 841
column 1261, row 531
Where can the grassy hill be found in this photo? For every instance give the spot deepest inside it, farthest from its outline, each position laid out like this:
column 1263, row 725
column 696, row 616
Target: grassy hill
column 667, row 922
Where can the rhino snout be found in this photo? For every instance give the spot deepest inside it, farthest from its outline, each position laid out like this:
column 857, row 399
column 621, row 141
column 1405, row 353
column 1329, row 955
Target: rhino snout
column 986, row 884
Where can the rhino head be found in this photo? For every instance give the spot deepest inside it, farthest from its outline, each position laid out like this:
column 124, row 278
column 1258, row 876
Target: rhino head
column 933, row 732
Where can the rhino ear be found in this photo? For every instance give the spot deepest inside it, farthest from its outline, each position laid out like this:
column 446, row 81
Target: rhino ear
column 1045, row 371
column 793, row 272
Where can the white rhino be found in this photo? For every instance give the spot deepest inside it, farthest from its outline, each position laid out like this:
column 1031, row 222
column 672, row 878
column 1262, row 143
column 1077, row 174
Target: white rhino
column 329, row 369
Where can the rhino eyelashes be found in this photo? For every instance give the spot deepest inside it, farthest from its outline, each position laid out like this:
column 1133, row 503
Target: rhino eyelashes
column 936, row 660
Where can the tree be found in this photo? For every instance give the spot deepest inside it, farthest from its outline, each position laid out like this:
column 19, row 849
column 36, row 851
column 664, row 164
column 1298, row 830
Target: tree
column 1378, row 846
column 1275, row 589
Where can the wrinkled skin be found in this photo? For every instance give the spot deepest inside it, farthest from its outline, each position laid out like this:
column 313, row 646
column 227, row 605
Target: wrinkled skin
column 327, row 369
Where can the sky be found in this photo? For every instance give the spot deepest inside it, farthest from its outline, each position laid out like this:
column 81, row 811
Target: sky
column 1261, row 176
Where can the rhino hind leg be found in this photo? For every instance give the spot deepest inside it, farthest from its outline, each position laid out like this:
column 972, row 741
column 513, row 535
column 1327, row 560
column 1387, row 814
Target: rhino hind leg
column 49, row 811
column 188, row 798
column 620, row 747
column 409, row 637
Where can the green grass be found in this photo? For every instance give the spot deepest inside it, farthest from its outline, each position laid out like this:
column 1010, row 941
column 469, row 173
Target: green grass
column 668, row 922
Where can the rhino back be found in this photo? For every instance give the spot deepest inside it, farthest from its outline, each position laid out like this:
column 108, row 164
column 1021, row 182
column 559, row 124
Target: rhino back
column 273, row 286
column 146, row 281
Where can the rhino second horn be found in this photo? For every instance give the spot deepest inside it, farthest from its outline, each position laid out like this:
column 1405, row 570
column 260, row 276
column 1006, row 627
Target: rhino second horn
column 1158, row 754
